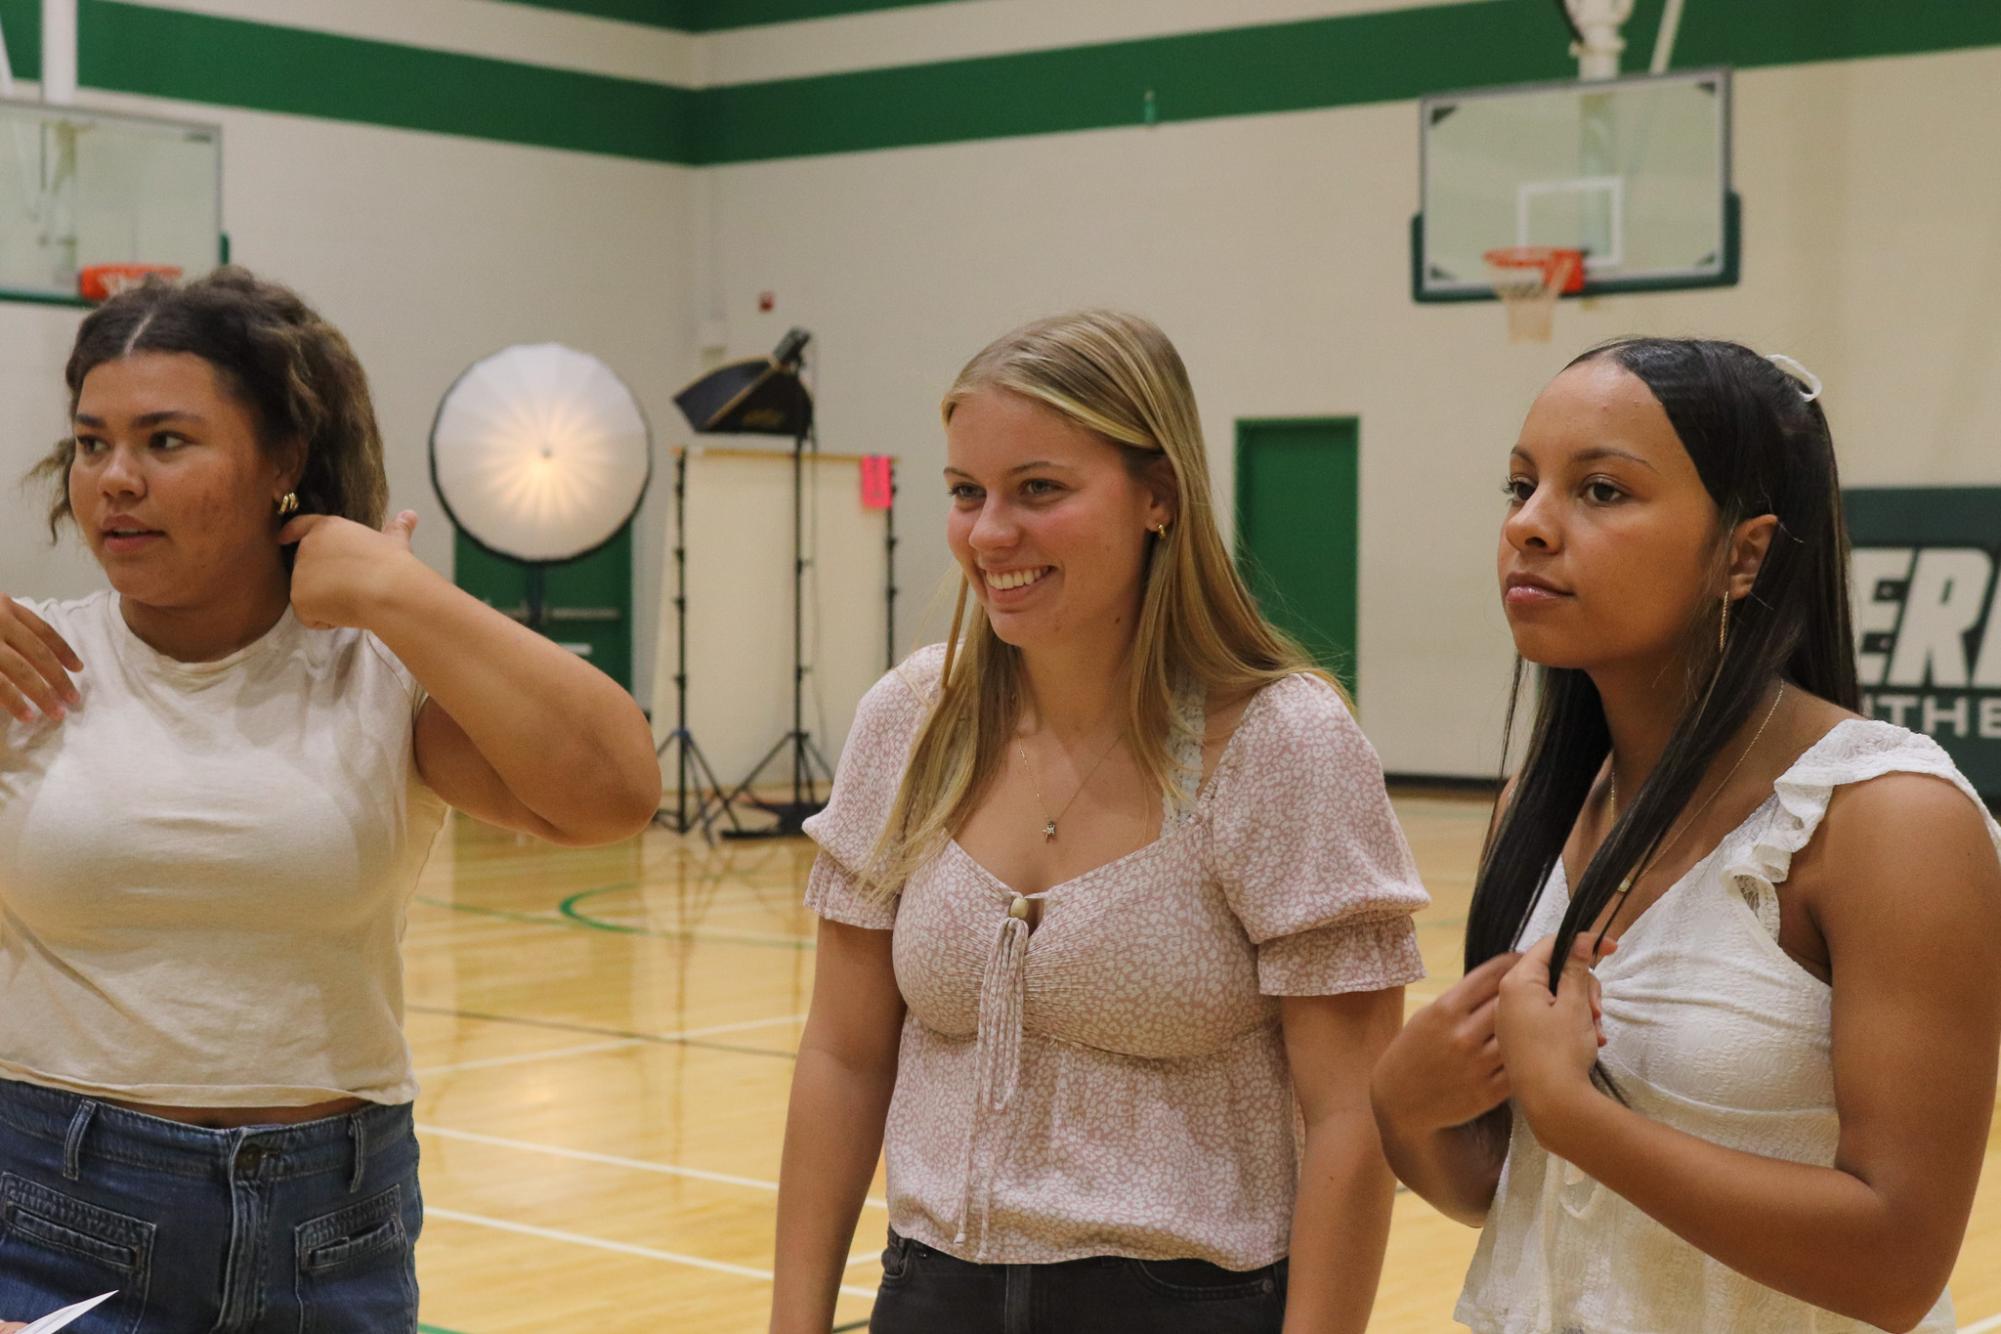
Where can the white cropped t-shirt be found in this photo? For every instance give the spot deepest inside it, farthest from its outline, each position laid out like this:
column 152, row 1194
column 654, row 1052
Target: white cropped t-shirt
column 204, row 870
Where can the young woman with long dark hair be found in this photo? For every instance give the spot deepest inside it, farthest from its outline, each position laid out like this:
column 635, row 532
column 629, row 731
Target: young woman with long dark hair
column 1794, row 912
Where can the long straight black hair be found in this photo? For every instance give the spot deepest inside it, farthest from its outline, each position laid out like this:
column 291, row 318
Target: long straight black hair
column 1761, row 447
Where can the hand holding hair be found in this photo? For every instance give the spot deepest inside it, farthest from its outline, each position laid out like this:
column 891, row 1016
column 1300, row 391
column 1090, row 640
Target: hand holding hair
column 1550, row 1040
column 1445, row 1068
column 343, row 569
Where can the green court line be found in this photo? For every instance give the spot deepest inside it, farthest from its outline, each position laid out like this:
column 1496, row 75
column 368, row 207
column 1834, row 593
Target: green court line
column 595, row 1030
column 570, row 919
column 435, row 1329
column 568, row 908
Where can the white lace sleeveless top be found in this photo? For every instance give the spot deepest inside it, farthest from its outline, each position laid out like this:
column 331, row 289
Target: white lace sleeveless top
column 1712, row 1028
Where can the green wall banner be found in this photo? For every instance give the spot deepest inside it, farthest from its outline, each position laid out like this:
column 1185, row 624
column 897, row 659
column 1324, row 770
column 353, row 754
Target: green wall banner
column 1332, row 60
column 1928, row 617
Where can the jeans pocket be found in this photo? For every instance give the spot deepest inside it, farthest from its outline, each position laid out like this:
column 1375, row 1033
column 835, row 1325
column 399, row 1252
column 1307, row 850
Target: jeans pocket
column 357, row 1268
column 1198, row 1280
column 56, row 1249
column 896, row 1258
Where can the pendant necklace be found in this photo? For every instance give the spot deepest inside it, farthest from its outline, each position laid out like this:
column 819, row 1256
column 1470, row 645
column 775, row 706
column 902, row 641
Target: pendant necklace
column 1048, row 820
column 1626, row 885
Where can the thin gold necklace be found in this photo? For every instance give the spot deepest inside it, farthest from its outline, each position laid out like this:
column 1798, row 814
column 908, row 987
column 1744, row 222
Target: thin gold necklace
column 1613, row 797
column 1048, row 820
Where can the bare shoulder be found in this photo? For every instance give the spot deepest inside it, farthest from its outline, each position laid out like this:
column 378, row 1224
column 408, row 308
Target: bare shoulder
column 1908, row 846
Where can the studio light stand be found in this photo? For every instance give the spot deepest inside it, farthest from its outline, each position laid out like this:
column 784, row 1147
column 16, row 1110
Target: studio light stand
column 765, row 396
column 694, row 776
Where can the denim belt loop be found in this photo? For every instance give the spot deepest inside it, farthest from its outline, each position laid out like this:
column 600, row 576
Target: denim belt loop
column 357, row 1130
column 73, row 1142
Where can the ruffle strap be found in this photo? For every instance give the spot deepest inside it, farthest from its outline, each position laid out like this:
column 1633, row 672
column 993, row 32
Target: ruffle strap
column 1852, row 752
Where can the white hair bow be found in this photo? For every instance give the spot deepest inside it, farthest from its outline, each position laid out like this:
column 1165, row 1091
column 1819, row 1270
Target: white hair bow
column 1809, row 382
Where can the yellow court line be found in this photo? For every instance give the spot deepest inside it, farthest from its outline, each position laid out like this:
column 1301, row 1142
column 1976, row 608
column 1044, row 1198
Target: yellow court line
column 613, row 1160
column 585, row 1049
column 620, row 1247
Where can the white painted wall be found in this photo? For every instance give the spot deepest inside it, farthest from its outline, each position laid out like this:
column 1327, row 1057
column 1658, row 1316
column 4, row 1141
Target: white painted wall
column 1273, row 249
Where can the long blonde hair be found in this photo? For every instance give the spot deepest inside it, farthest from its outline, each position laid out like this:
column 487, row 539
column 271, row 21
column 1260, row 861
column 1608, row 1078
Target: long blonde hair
column 1119, row 377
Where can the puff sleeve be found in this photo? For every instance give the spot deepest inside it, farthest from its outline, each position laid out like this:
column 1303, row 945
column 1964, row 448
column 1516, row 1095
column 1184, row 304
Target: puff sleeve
column 1307, row 851
column 865, row 783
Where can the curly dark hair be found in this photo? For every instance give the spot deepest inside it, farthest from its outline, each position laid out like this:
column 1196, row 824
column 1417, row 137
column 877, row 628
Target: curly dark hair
column 274, row 354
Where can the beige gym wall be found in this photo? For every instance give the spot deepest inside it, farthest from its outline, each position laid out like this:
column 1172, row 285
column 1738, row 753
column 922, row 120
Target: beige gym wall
column 1274, row 250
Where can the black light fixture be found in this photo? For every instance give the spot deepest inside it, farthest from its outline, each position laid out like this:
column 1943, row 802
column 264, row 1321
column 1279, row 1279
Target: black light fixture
column 762, row 396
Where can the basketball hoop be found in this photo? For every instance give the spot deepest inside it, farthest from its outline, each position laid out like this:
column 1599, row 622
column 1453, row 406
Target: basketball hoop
column 1528, row 279
column 101, row 282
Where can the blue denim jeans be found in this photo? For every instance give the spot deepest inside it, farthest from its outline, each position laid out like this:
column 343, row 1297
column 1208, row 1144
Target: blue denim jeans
column 304, row 1229
column 926, row 1291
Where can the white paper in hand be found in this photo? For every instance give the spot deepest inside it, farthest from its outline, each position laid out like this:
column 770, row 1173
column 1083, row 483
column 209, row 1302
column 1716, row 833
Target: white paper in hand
column 56, row 1320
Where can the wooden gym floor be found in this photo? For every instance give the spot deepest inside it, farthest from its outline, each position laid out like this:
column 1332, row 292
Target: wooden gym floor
column 605, row 1042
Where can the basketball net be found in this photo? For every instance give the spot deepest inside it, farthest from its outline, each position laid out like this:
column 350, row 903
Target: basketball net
column 1528, row 280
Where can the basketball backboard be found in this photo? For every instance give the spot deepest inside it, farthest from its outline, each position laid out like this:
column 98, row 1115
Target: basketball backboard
column 79, row 188
column 1635, row 172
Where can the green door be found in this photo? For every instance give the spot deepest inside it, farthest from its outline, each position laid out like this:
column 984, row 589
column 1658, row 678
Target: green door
column 1298, row 536
column 586, row 603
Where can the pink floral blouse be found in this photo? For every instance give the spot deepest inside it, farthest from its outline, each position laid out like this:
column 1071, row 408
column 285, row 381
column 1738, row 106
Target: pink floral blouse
column 1115, row 1082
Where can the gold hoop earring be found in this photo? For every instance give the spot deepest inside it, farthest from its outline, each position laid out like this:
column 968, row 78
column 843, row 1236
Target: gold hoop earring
column 288, row 504
column 1723, row 626
column 1160, row 531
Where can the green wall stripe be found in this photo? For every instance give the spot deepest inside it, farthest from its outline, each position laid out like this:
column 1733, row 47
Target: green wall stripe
column 22, row 21
column 1792, row 32
column 1234, row 72
column 1317, row 63
column 679, row 15
column 202, row 58
column 721, row 15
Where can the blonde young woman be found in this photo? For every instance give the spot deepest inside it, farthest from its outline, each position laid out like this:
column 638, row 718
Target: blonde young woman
column 1106, row 885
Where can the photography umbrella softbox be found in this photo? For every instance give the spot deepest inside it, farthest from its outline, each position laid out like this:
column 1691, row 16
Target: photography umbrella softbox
column 540, row 454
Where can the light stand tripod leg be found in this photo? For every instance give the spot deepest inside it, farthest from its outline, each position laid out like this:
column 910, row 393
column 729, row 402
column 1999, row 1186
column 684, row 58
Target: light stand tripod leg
column 689, row 761
column 791, row 815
